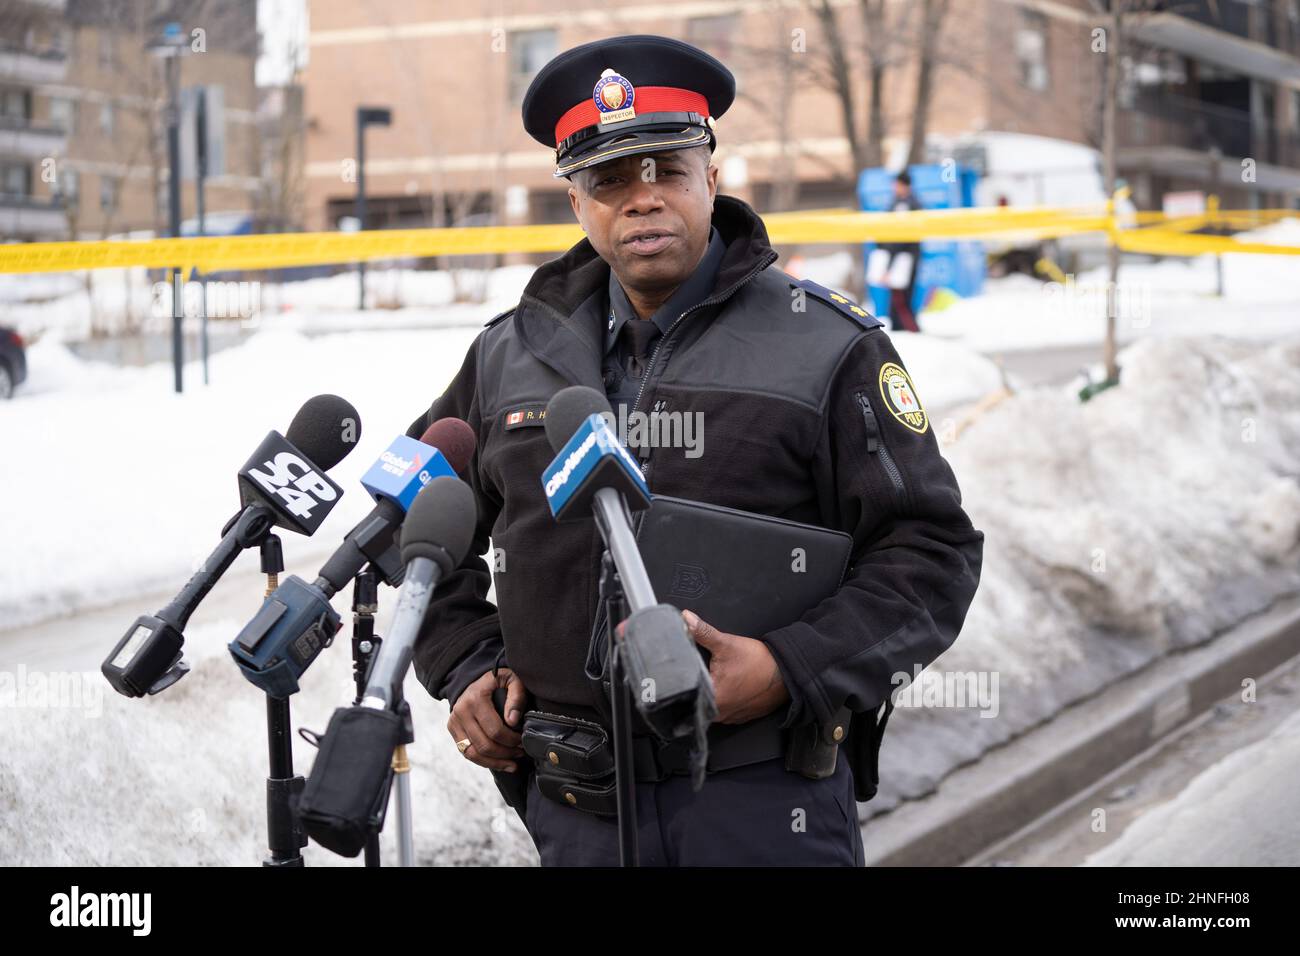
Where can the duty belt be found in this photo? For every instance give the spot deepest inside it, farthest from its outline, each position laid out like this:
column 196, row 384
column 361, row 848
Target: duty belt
column 730, row 745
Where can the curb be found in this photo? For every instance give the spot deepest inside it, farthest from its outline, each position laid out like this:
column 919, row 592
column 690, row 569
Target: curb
column 978, row 805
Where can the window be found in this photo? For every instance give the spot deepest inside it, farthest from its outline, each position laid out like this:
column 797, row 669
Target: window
column 15, row 179
column 1031, row 50
column 63, row 112
column 530, row 50
column 108, row 189
column 67, row 184
column 715, row 35
column 107, row 50
column 106, row 119
column 16, row 104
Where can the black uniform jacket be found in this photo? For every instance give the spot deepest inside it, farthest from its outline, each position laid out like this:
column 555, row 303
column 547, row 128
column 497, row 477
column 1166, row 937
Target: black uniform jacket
column 806, row 416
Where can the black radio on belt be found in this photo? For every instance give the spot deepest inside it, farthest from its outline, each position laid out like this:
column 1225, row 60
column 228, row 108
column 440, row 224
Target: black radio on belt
column 573, row 759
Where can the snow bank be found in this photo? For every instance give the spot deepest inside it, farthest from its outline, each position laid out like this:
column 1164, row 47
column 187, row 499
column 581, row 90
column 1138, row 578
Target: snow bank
column 1140, row 523
column 179, row 779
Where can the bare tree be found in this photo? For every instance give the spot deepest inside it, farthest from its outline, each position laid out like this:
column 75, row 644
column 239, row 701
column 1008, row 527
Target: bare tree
column 1116, row 16
column 927, row 44
column 776, row 59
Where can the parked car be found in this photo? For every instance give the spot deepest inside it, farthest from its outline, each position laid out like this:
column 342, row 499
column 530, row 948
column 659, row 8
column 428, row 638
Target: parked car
column 13, row 362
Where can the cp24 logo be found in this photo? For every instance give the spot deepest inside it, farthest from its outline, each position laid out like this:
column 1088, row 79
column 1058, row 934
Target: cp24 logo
column 294, row 482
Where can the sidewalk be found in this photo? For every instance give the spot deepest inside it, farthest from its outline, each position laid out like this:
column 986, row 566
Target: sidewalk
column 978, row 805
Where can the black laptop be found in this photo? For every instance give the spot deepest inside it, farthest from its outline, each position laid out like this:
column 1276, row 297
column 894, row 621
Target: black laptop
column 744, row 573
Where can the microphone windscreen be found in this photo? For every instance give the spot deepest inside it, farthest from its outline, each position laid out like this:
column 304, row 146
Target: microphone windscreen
column 325, row 429
column 440, row 523
column 569, row 408
column 455, row 439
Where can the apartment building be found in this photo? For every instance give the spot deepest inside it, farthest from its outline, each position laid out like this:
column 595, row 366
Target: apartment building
column 83, row 150
column 1204, row 86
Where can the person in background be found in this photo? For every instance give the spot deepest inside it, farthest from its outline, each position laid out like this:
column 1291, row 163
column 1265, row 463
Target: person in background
column 892, row 265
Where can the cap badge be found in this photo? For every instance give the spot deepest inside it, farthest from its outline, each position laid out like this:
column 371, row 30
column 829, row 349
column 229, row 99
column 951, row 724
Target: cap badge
column 613, row 96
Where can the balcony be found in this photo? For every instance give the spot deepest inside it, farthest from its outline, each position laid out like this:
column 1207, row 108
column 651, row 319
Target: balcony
column 21, row 138
column 18, row 65
column 1162, row 119
column 1176, row 135
column 26, row 217
column 1231, row 34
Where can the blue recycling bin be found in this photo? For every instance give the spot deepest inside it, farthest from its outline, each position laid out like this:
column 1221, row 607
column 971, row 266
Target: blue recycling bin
column 944, row 263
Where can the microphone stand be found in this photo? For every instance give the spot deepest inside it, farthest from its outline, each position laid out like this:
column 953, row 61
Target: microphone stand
column 611, row 593
column 402, row 781
column 365, row 604
column 365, row 645
column 285, row 836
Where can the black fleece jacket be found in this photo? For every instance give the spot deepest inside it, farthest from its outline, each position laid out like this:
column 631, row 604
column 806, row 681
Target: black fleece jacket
column 808, row 415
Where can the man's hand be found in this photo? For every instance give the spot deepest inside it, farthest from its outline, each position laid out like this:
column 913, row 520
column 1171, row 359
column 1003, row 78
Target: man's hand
column 492, row 743
column 747, row 683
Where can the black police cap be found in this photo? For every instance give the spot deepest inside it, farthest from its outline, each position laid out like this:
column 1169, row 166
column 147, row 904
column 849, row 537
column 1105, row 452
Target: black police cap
column 626, row 95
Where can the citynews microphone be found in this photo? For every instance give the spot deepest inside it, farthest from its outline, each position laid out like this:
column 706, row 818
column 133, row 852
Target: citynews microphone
column 296, row 622
column 344, row 800
column 282, row 485
column 594, row 474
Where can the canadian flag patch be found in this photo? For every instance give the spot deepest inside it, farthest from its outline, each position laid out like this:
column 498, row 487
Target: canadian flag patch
column 521, row 416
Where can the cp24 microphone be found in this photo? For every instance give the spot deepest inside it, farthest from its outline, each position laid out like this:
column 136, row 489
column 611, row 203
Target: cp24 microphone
column 296, row 622
column 346, row 793
column 282, row 485
column 593, row 474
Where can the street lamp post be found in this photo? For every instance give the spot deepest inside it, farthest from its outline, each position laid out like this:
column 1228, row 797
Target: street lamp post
column 171, row 46
column 366, row 116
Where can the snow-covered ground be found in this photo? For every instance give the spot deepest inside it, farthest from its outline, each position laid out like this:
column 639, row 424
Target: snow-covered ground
column 1172, row 297
column 116, row 486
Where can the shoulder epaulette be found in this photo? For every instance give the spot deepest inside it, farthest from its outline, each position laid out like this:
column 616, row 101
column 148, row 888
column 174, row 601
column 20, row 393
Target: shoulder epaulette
column 836, row 301
column 497, row 318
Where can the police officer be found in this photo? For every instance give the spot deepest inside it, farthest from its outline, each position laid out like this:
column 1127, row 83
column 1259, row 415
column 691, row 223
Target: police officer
column 672, row 304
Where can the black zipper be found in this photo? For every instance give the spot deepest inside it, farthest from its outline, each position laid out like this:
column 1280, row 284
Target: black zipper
column 663, row 340
column 876, row 446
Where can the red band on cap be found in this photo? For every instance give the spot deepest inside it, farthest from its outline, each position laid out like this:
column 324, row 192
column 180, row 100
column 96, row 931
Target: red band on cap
column 648, row 99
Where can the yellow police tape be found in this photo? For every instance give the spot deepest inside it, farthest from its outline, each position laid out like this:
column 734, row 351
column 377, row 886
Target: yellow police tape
column 1151, row 233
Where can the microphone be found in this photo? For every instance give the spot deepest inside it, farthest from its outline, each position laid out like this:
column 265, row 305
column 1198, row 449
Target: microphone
column 282, row 485
column 346, row 793
column 593, row 474
column 404, row 468
column 296, row 622
column 435, row 539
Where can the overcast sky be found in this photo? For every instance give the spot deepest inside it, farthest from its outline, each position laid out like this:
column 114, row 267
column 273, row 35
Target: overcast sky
column 283, row 25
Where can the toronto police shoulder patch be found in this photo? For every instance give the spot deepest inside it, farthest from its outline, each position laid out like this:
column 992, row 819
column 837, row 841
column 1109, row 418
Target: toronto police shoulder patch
column 900, row 398
column 841, row 303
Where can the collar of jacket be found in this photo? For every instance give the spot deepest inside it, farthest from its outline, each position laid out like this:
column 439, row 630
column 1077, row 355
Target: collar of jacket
column 559, row 318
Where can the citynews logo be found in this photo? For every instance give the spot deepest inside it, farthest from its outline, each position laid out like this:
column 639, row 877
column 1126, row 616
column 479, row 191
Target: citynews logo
column 561, row 477
column 300, row 493
column 103, row 909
